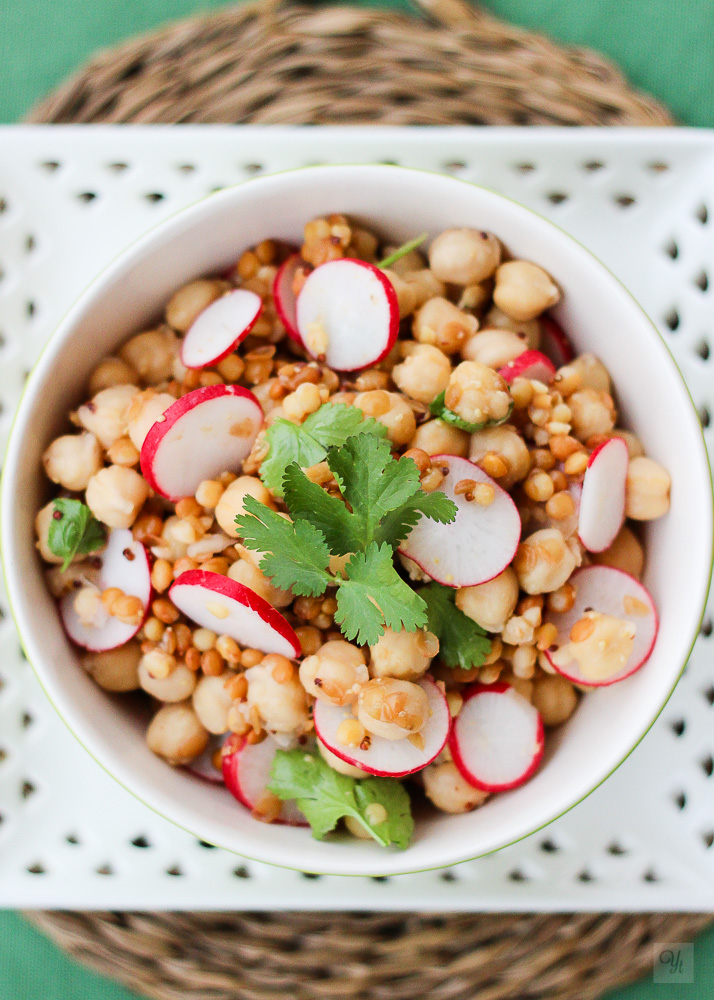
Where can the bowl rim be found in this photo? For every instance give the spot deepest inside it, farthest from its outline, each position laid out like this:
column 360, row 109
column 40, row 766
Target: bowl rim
column 65, row 326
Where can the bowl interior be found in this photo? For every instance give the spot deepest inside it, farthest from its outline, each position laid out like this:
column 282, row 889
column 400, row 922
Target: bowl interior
column 599, row 315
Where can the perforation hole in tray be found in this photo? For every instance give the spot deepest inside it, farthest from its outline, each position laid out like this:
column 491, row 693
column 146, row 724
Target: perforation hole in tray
column 657, row 167
column 557, row 197
column 672, row 320
column 154, row 197
column 119, row 167
column 702, row 281
column 87, row 197
column 592, row 166
column 702, row 214
column 672, row 250
column 624, row 200
column 616, row 849
column 703, row 350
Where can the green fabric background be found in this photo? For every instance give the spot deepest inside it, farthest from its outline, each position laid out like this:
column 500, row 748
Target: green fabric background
column 664, row 46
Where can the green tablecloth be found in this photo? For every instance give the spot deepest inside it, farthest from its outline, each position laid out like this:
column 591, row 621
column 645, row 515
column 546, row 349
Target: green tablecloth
column 664, row 46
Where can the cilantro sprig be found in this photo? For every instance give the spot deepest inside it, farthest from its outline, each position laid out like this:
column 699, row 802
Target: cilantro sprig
column 324, row 796
column 381, row 501
column 439, row 409
column 462, row 643
column 73, row 529
column 308, row 443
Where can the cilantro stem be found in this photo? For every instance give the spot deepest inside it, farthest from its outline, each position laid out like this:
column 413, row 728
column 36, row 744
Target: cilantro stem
column 402, row 251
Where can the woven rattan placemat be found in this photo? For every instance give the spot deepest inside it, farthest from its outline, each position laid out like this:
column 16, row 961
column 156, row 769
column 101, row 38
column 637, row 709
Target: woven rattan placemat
column 268, row 63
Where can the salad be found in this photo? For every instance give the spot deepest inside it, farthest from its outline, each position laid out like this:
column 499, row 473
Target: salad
column 358, row 523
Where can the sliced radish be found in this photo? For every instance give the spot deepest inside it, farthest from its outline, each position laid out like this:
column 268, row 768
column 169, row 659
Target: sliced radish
column 206, row 432
column 220, row 327
column 478, row 544
column 347, row 312
column 496, row 740
column 124, row 564
column 284, row 297
column 387, row 758
column 554, row 342
column 602, row 502
column 230, row 608
column 204, row 766
column 246, row 773
column 530, row 364
column 611, row 592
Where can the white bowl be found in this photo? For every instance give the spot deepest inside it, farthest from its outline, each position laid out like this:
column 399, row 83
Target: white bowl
column 601, row 317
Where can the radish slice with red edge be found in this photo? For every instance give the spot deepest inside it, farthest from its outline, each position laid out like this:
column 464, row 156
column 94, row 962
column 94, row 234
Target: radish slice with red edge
column 387, row 758
column 530, row 364
column 246, row 773
column 208, row 431
column 611, row 592
column 124, row 563
column 554, row 342
column 348, row 314
column 478, row 544
column 602, row 502
column 230, row 608
column 220, row 327
column 284, row 297
column 204, row 766
column 497, row 738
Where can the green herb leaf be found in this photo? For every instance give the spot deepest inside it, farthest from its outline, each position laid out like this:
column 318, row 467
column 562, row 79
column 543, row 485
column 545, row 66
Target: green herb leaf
column 462, row 643
column 296, row 554
column 76, row 531
column 396, row 525
column 324, row 797
column 374, row 595
column 306, row 444
column 306, row 500
column 403, row 250
column 439, row 409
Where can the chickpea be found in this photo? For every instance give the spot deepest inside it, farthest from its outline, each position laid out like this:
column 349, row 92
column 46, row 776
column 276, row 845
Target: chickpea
column 115, row 669
column 464, row 256
column 449, row 790
column 398, row 418
column 543, row 562
column 146, row 408
column 115, row 495
column 528, row 328
column 392, row 708
column 176, row 734
column 414, row 571
column 625, row 553
column 490, row 604
column 424, row 372
column 524, row 290
column 110, row 372
column 476, row 297
column 438, row 438
column 231, row 503
column 647, row 493
column 185, row 305
column 508, row 445
column 405, row 655
column 363, row 245
column 555, row 698
column 282, row 706
column 178, row 686
column 593, row 373
column 335, row 673
column 42, row 530
column 72, row 460
column 212, row 702
column 591, row 412
column 635, row 448
column 440, row 323
column 245, row 572
column 305, row 400
column 494, row 348
column 477, row 394
column 151, row 354
column 106, row 414
column 599, row 644
column 339, row 765
column 412, row 261
column 406, row 293
column 425, row 285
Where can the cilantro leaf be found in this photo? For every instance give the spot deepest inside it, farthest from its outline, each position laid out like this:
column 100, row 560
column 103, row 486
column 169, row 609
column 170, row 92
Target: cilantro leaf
column 374, row 595
column 76, row 530
column 307, row 443
column 296, row 554
column 462, row 643
column 325, row 796
column 439, row 408
column 306, row 500
column 403, row 250
column 384, row 494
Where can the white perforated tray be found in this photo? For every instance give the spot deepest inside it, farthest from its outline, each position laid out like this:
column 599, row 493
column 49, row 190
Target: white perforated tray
column 70, row 199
